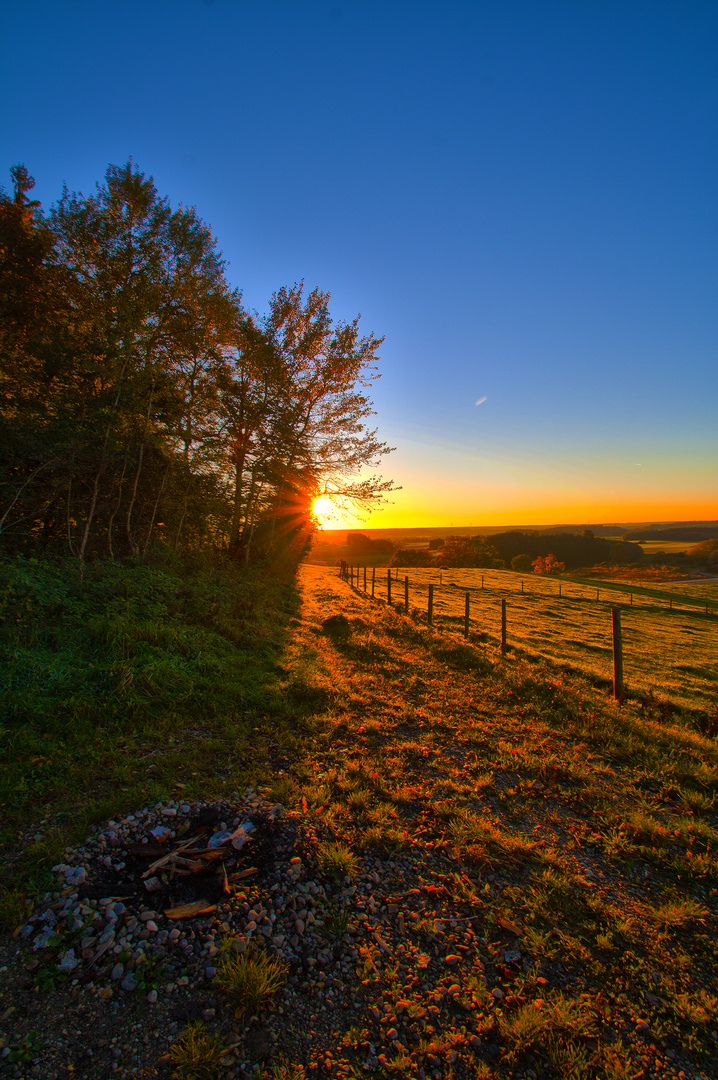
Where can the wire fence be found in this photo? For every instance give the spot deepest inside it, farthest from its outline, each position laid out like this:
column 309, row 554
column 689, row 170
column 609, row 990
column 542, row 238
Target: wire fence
column 673, row 642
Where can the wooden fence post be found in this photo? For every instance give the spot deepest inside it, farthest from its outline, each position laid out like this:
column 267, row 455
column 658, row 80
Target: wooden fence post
column 559, row 590
column 482, row 581
column 373, row 580
column 466, row 614
column 351, row 576
column 388, row 586
column 522, row 585
column 430, row 614
column 617, row 655
column 365, row 579
column 406, row 594
column 503, row 627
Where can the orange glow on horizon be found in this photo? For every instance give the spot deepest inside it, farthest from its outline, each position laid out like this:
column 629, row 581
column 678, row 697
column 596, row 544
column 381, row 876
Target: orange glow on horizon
column 407, row 517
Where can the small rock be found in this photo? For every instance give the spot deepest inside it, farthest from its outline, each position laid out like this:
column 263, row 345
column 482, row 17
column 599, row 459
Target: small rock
column 129, row 983
column 497, row 994
column 152, row 997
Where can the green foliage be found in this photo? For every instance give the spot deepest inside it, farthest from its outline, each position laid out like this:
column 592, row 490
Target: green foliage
column 144, row 408
column 338, row 860
column 251, row 978
column 197, row 1055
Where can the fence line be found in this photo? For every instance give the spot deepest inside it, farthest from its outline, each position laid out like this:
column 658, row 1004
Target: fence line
column 347, row 573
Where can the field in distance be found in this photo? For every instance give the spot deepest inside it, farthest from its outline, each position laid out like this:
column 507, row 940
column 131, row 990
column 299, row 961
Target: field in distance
column 670, row 652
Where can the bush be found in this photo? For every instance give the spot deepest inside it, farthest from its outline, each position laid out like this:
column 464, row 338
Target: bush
column 521, row 563
column 548, row 564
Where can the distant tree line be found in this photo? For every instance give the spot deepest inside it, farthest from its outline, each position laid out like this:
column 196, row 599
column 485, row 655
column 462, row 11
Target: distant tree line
column 142, row 404
column 524, row 551
column 677, row 532
column 360, row 544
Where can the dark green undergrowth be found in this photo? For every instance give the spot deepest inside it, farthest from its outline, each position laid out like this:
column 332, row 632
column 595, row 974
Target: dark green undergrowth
column 119, row 687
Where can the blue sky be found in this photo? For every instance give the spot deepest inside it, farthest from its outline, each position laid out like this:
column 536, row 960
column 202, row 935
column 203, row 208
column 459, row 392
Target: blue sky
column 520, row 196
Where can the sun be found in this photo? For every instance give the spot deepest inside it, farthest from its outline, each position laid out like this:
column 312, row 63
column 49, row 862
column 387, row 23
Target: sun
column 324, row 510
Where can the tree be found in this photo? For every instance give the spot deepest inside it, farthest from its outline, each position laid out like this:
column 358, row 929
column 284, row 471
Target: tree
column 140, row 399
column 411, row 557
column 295, row 412
column 474, row 551
column 548, row 564
column 521, row 563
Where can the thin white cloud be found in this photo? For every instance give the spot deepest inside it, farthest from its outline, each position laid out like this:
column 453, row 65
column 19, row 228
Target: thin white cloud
column 480, row 401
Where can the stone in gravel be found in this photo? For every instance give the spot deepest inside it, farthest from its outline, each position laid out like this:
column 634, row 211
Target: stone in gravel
column 152, row 997
column 497, row 994
column 152, row 926
column 118, row 971
column 68, row 962
column 129, row 983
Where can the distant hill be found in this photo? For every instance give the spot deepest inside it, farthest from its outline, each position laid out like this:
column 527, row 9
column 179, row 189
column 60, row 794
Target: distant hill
column 624, row 529
column 677, row 532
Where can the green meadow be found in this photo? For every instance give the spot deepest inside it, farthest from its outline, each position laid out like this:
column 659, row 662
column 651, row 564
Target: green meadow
column 669, row 651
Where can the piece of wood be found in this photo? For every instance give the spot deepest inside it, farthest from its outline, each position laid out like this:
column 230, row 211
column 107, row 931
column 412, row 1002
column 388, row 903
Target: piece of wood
column 617, row 654
column 430, row 612
column 186, row 911
column 373, row 580
column 388, row 586
column 406, row 595
column 503, row 627
column 466, row 613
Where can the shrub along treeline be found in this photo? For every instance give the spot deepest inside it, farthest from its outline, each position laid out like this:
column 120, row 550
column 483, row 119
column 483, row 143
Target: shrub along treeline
column 502, row 549
column 142, row 405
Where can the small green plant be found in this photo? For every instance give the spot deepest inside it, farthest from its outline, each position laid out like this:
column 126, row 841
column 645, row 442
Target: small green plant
column 283, row 790
column 336, row 923
column 677, row 913
column 251, row 978
column 337, row 860
column 197, row 1055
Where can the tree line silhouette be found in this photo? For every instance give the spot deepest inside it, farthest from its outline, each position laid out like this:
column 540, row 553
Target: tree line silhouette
column 141, row 404
column 520, row 550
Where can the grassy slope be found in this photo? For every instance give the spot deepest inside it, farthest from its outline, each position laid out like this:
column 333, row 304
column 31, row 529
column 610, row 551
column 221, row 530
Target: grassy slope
column 114, row 691
column 671, row 653
column 591, row 828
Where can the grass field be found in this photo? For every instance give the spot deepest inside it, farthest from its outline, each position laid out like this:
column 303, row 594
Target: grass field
column 535, row 865
column 671, row 653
